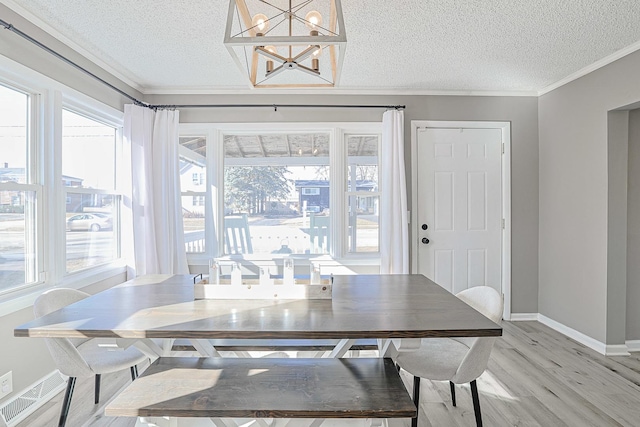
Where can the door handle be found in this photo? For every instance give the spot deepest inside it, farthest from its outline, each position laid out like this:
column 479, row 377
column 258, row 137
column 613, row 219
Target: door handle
column 425, row 240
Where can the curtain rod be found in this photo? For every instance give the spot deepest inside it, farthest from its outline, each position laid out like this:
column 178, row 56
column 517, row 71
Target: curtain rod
column 276, row 106
column 136, row 101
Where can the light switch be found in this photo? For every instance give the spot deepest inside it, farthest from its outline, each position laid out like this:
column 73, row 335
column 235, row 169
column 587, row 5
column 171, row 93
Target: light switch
column 6, row 384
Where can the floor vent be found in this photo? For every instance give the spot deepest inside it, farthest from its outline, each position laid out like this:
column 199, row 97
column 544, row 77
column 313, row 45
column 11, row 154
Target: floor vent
column 18, row 408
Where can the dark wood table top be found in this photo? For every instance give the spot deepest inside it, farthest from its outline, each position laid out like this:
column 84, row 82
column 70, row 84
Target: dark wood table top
column 266, row 388
column 363, row 306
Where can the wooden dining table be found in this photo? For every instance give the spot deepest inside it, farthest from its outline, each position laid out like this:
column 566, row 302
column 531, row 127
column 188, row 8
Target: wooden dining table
column 362, row 306
column 396, row 310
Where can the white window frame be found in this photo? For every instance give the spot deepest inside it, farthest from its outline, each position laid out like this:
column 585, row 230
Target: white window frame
column 356, row 193
column 33, row 183
column 197, row 158
column 214, row 134
column 108, row 117
column 47, row 98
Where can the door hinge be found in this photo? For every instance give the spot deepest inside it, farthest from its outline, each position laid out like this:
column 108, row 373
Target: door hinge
column 503, row 223
column 503, row 148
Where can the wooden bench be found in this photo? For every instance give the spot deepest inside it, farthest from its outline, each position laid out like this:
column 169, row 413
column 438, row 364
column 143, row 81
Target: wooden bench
column 266, row 388
column 276, row 345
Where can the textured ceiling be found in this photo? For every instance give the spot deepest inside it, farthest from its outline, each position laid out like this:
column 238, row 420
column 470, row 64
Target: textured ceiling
column 402, row 45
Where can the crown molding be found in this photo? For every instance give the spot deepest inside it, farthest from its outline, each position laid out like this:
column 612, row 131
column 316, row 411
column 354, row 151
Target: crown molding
column 43, row 25
column 591, row 68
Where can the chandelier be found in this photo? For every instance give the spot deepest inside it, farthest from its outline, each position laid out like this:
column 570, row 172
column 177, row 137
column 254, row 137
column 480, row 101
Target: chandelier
column 286, row 43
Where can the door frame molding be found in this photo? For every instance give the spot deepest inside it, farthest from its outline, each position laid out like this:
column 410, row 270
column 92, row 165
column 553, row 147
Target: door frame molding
column 505, row 128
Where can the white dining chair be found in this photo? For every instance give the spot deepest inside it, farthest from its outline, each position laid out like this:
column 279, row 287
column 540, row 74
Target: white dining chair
column 81, row 357
column 457, row 360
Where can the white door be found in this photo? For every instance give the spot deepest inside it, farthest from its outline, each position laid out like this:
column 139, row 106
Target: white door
column 459, row 206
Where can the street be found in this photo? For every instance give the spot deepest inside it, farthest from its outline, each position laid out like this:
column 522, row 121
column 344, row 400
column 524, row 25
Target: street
column 84, row 249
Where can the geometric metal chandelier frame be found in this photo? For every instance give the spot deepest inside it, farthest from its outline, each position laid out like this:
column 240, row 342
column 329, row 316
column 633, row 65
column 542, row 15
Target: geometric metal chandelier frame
column 285, row 43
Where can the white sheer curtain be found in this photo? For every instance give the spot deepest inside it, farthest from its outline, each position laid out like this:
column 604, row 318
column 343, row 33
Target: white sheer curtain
column 154, row 206
column 394, row 228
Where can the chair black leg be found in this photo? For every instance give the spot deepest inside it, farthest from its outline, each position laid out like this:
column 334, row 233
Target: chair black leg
column 133, row 373
column 66, row 403
column 97, row 390
column 135, row 370
column 476, row 403
column 453, row 392
column 416, row 400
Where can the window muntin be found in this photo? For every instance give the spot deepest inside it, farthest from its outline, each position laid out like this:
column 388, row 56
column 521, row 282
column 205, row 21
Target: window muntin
column 363, row 196
column 19, row 195
column 265, row 177
column 92, row 214
column 193, row 172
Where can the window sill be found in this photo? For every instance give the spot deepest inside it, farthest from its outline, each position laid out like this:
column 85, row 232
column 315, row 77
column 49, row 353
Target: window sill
column 82, row 278
column 25, row 297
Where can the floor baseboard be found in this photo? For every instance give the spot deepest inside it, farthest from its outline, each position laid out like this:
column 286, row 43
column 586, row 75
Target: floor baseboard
column 523, row 317
column 594, row 344
column 633, row 345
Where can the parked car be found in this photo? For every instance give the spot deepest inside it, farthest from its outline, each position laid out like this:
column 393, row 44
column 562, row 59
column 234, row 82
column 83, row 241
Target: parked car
column 314, row 209
column 89, row 221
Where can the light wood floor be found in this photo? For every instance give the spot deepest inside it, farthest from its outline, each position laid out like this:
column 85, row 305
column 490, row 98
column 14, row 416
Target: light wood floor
column 536, row 377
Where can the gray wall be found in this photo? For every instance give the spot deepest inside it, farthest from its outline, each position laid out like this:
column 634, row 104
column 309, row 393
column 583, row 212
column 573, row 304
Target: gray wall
column 28, row 358
column 617, row 161
column 633, row 229
column 520, row 111
column 574, row 176
column 16, row 48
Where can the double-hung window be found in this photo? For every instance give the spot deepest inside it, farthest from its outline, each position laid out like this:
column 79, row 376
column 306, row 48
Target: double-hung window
column 92, row 205
column 275, row 190
column 20, row 193
column 363, row 193
column 59, row 201
column 193, row 169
